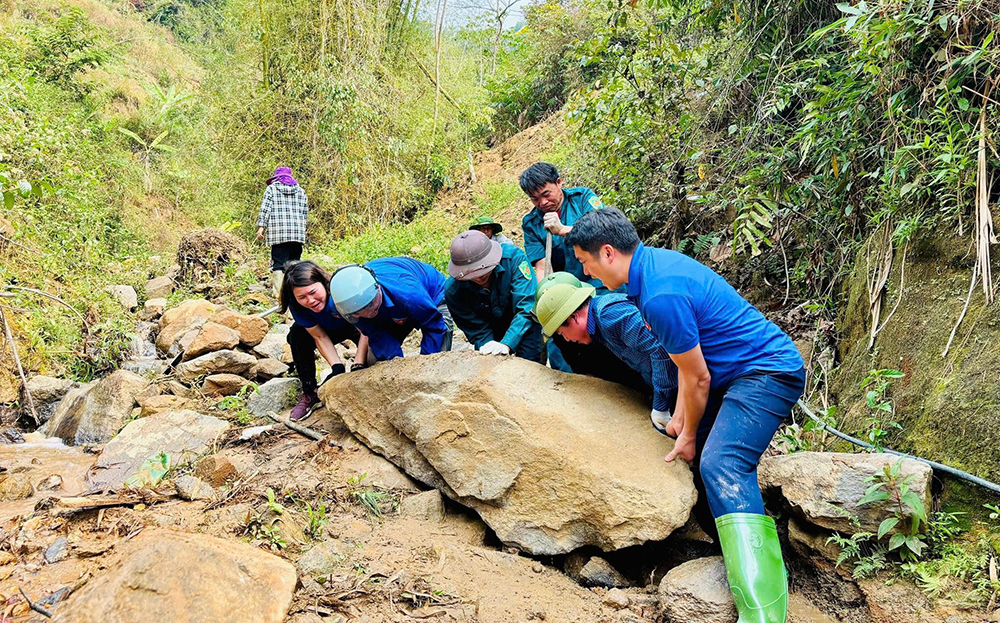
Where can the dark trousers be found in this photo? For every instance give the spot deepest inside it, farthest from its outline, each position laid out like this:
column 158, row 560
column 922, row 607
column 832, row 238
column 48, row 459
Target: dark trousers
column 285, row 252
column 740, row 420
column 304, row 352
column 594, row 360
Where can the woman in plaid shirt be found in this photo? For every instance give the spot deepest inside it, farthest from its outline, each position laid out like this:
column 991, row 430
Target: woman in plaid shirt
column 283, row 214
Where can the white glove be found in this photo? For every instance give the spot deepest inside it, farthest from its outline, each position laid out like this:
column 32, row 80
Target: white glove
column 552, row 223
column 660, row 419
column 494, row 348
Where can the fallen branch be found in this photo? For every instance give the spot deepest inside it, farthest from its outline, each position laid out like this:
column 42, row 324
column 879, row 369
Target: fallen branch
column 18, row 244
column 20, row 369
column 298, row 428
column 55, row 298
column 37, row 608
column 65, row 507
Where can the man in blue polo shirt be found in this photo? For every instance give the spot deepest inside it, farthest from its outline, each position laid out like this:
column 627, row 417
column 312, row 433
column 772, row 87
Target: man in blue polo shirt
column 490, row 294
column 388, row 298
column 574, row 312
column 739, row 376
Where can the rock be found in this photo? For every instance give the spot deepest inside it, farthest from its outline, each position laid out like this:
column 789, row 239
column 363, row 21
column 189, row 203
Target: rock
column 7, row 558
column 698, row 590
column 251, row 328
column 427, row 505
column 15, row 486
column 125, row 295
column 181, row 390
column 320, row 561
column 57, row 551
column 46, row 392
column 153, row 309
column 95, row 413
column 268, row 369
column 810, row 541
column 211, row 337
column 10, row 434
column 223, row 384
column 573, row 460
column 617, row 598
column 599, row 572
column 175, row 338
column 162, row 575
column 273, row 343
column 183, row 435
column 191, row 308
column 230, row 361
column 52, row 482
column 192, row 488
column 152, row 390
column 824, row 487
column 204, row 253
column 159, row 288
column 275, row 395
column 155, row 405
column 216, row 470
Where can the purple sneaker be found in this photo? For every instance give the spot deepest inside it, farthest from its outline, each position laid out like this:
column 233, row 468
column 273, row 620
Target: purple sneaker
column 306, row 405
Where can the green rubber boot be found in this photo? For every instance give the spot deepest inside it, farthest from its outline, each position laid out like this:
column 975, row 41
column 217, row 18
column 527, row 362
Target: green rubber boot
column 754, row 566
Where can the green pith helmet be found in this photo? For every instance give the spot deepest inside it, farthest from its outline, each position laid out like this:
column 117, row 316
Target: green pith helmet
column 483, row 221
column 552, row 279
column 558, row 303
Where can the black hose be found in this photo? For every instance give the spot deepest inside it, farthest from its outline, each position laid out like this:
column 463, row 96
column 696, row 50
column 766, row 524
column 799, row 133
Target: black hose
column 995, row 488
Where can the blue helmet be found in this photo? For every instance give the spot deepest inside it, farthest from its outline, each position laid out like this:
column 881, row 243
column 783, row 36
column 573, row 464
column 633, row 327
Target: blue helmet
column 353, row 288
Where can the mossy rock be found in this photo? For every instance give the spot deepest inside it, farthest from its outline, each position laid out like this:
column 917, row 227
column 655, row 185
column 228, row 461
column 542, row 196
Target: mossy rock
column 948, row 406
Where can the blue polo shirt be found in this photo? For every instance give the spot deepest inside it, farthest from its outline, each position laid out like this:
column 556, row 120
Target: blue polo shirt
column 576, row 202
column 329, row 319
column 615, row 321
column 686, row 303
column 411, row 293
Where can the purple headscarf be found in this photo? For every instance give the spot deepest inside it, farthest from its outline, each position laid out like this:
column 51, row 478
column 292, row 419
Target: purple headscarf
column 283, row 175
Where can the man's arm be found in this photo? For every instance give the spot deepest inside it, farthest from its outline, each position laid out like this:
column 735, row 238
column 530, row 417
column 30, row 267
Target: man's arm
column 695, row 382
column 539, row 272
column 523, row 294
column 427, row 316
column 325, row 345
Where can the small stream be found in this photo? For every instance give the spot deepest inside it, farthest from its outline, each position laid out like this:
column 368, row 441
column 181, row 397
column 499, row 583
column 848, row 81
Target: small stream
column 143, row 359
column 44, row 462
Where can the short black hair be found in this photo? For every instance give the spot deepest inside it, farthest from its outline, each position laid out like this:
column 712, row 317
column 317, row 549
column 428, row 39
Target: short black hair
column 538, row 175
column 298, row 275
column 597, row 228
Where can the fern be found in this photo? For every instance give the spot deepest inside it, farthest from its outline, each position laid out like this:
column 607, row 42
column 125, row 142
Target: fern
column 752, row 224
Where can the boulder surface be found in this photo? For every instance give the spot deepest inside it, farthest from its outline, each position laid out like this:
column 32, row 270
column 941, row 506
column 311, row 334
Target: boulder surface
column 94, row 413
column 698, row 590
column 162, row 575
column 550, row 461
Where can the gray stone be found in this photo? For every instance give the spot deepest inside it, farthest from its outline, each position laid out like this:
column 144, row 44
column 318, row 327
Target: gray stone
column 57, row 551
column 275, row 395
column 46, row 392
column 268, row 369
column 555, row 481
column 183, row 435
column 824, row 488
column 162, row 575
column 221, row 361
column 698, row 590
column 192, row 488
column 427, row 505
column 94, row 413
column 320, row 561
column 9, row 434
column 273, row 343
column 599, row 572
column 125, row 295
column 160, row 287
column 617, row 599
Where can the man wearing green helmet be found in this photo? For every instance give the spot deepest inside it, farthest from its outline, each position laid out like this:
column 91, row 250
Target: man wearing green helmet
column 491, row 228
column 490, row 295
column 574, row 312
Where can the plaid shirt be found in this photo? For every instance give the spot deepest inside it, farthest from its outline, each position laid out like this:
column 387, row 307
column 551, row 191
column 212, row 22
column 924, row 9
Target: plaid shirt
column 283, row 212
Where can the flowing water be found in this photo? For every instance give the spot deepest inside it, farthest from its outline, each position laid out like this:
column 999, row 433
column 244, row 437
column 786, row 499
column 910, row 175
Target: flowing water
column 43, row 462
column 143, row 359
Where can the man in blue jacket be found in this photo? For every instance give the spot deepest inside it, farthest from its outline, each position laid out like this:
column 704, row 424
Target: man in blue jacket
column 739, row 376
column 388, row 298
column 490, row 294
column 613, row 321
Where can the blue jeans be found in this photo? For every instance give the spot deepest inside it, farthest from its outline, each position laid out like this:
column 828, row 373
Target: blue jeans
column 740, row 420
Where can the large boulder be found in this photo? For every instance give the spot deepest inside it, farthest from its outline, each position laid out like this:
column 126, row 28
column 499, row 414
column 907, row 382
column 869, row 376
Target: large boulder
column 551, row 461
column 160, row 287
column 210, row 338
column 273, row 344
column 698, row 590
column 275, row 395
column 221, row 361
column 179, row 326
column 162, row 575
column 251, row 328
column 824, row 488
column 183, row 435
column 191, row 308
column 223, row 384
column 94, row 413
column 47, row 392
